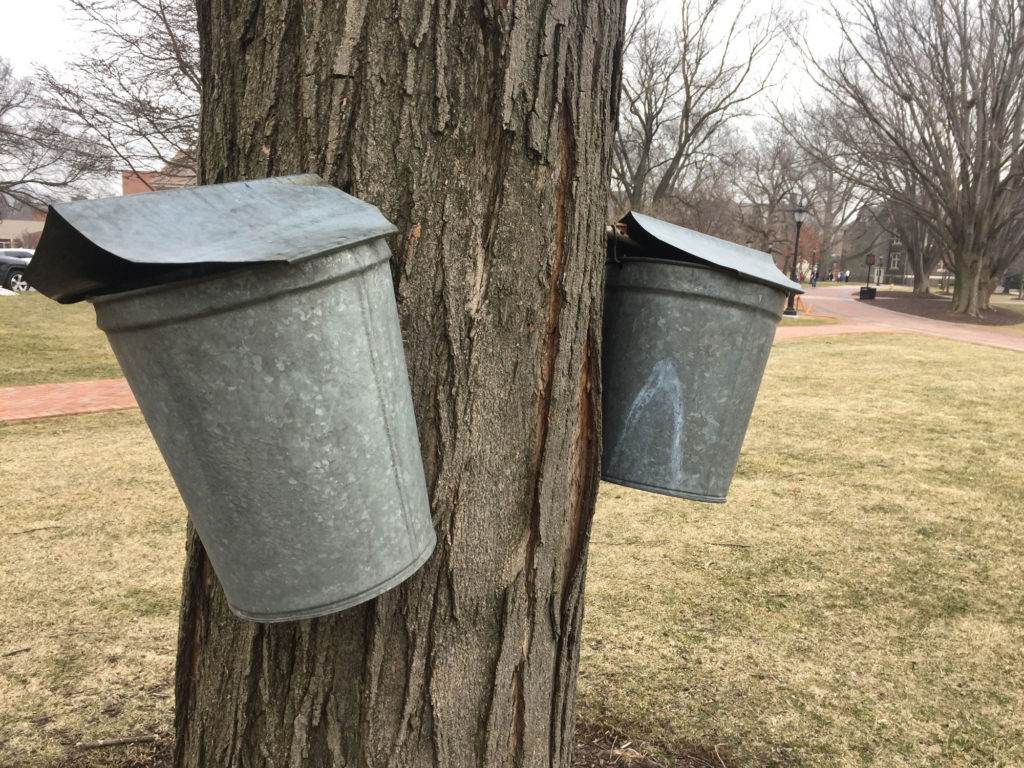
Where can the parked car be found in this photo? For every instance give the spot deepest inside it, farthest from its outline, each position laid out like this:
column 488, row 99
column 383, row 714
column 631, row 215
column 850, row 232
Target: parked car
column 12, row 268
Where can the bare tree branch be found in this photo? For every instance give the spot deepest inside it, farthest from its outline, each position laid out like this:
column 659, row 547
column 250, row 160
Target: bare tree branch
column 41, row 155
column 682, row 84
column 137, row 91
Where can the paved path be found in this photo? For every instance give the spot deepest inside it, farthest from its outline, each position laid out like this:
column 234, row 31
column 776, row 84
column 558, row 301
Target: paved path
column 858, row 316
column 21, row 403
column 40, row 401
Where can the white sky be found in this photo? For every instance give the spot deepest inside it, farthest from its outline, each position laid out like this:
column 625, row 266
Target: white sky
column 43, row 32
column 37, row 32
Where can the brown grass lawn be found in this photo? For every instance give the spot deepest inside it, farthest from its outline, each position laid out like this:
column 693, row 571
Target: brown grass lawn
column 858, row 601
column 91, row 549
column 803, row 320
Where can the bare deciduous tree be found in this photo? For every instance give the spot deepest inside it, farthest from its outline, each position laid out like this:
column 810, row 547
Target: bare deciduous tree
column 40, row 154
column 886, row 229
column 921, row 245
column 1009, row 248
column 831, row 199
column 929, row 90
column 682, row 84
column 769, row 176
column 707, row 201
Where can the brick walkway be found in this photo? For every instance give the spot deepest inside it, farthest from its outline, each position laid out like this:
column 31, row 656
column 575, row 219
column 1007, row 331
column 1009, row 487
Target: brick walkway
column 21, row 403
column 40, row 401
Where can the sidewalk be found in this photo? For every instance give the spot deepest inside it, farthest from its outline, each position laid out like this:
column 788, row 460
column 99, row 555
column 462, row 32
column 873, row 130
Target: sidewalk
column 40, row 401
column 858, row 316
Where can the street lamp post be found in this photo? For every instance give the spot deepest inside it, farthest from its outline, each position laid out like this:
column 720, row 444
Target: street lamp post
column 798, row 215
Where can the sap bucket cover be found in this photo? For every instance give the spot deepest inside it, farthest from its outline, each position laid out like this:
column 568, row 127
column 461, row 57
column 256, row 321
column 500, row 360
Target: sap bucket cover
column 688, row 324
column 256, row 324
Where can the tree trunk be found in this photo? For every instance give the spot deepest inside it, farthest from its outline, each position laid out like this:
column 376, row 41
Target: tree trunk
column 988, row 285
column 921, row 267
column 967, row 287
column 483, row 130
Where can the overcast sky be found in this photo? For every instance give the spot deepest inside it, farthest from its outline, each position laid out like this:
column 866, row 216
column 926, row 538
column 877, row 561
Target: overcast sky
column 37, row 32
column 42, row 32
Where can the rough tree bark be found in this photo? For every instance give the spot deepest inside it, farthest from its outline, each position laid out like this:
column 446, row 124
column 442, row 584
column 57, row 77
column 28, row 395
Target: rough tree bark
column 483, row 130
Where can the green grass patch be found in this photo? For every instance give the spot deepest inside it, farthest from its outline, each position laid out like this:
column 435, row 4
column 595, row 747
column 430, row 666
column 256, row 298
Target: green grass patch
column 43, row 342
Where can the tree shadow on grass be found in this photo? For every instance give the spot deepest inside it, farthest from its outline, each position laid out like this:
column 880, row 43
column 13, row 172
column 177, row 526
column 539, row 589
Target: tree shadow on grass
column 938, row 307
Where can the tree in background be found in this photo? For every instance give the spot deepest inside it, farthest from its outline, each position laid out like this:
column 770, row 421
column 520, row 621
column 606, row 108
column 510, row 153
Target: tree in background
column 708, row 202
column 682, row 84
column 1008, row 252
column 928, row 91
column 136, row 93
column 767, row 186
column 832, row 200
column 483, row 130
column 920, row 244
column 41, row 156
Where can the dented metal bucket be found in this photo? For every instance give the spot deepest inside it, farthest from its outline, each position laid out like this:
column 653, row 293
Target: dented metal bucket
column 278, row 396
column 685, row 346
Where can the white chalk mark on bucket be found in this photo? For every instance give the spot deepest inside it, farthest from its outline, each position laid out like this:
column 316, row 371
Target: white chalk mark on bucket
column 649, row 450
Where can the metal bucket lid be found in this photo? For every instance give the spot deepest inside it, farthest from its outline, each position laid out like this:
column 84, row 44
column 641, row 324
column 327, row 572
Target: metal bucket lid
column 660, row 239
column 92, row 247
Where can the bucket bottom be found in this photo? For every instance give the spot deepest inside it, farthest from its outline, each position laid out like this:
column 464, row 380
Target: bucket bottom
column 665, row 491
column 339, row 605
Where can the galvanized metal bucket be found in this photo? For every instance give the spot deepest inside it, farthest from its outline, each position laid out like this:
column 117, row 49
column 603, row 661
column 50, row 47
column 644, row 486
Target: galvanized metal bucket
column 277, row 393
column 685, row 344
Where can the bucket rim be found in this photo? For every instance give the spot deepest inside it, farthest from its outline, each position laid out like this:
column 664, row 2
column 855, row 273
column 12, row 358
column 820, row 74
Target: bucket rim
column 751, row 287
column 232, row 270
column 622, row 259
column 191, row 279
